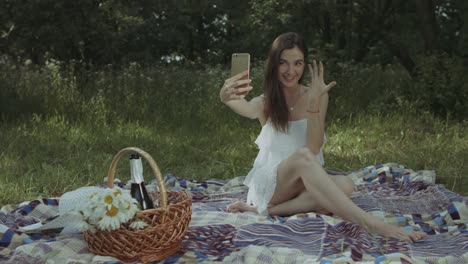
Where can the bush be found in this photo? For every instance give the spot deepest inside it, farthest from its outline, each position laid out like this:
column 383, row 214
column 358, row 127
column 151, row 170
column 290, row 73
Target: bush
column 441, row 86
column 189, row 95
column 366, row 88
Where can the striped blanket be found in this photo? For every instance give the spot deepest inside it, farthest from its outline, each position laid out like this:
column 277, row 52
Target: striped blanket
column 398, row 195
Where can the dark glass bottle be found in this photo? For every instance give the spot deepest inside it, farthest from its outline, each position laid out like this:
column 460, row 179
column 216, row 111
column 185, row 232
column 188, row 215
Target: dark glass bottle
column 138, row 189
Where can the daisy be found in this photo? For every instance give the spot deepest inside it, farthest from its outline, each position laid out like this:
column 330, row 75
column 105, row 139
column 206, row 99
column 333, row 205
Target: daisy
column 108, row 209
column 130, row 206
column 138, row 224
column 112, row 219
column 85, row 226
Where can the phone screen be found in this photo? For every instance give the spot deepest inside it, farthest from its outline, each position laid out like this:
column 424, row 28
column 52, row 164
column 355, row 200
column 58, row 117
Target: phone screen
column 240, row 62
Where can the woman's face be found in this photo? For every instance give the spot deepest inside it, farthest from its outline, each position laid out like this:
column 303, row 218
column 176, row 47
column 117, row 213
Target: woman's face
column 291, row 67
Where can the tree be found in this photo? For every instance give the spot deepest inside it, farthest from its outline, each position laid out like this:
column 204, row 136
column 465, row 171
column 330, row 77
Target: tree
column 425, row 10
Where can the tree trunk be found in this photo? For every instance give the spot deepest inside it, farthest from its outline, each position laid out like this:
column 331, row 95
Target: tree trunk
column 378, row 14
column 425, row 10
column 463, row 40
column 363, row 46
column 342, row 7
column 327, row 27
column 401, row 53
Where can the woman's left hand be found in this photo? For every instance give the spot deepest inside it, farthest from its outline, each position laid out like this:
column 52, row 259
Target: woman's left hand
column 317, row 86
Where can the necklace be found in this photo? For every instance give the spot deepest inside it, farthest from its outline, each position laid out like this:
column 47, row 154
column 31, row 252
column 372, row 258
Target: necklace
column 299, row 94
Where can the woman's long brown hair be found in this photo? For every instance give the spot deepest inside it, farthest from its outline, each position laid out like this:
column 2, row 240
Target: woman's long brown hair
column 275, row 102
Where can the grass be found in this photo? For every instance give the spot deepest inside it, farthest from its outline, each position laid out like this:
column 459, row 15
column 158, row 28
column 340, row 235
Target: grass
column 60, row 129
column 419, row 142
column 49, row 156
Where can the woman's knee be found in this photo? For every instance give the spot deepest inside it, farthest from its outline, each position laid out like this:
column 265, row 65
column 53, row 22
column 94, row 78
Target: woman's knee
column 299, row 164
column 349, row 188
column 345, row 184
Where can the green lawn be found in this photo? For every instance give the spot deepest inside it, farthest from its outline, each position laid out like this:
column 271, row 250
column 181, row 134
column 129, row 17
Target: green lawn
column 44, row 157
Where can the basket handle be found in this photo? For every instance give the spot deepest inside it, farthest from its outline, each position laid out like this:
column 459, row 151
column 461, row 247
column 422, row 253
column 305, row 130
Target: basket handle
column 154, row 168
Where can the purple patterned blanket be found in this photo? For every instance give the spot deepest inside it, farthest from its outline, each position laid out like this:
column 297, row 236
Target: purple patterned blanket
column 397, row 195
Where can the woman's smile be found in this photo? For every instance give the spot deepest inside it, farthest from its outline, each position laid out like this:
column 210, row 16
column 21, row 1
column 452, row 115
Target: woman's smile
column 291, row 67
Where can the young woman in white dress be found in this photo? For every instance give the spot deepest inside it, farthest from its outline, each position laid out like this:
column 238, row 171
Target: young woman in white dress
column 287, row 177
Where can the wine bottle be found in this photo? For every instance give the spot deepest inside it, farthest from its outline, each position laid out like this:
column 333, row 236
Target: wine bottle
column 138, row 189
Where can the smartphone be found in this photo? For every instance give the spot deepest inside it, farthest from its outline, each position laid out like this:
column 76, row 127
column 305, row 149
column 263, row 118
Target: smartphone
column 240, row 62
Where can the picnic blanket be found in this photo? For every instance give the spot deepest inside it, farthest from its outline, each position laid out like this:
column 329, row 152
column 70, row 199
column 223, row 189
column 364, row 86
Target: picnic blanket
column 396, row 194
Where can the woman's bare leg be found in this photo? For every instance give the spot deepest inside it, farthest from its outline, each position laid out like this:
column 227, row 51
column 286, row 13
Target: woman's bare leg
column 301, row 171
column 304, row 202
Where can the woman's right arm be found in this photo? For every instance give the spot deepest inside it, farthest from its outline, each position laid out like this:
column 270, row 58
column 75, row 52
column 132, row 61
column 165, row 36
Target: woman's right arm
column 230, row 95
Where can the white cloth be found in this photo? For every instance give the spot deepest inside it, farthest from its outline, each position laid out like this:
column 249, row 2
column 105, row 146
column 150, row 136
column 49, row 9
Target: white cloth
column 274, row 147
column 68, row 217
column 71, row 201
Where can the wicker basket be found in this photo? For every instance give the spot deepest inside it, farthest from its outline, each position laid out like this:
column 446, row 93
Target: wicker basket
column 166, row 229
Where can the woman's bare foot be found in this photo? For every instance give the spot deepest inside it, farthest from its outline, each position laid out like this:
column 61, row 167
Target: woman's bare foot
column 386, row 230
column 240, row 207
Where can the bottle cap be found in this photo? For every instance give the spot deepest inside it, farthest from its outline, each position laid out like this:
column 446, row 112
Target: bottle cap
column 134, row 156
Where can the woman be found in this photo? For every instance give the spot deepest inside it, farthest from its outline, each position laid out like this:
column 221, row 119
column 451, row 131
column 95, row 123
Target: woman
column 287, row 177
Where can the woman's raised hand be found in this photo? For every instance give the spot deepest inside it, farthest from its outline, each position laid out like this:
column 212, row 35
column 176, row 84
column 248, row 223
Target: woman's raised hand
column 317, row 86
column 232, row 91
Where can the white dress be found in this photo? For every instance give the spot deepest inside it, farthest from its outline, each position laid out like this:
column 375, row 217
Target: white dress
column 274, row 147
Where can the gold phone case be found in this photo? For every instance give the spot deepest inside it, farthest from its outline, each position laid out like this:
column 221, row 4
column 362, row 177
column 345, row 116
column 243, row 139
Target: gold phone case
column 240, row 62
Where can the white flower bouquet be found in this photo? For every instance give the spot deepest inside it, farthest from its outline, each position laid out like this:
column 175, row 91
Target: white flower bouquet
column 108, row 209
